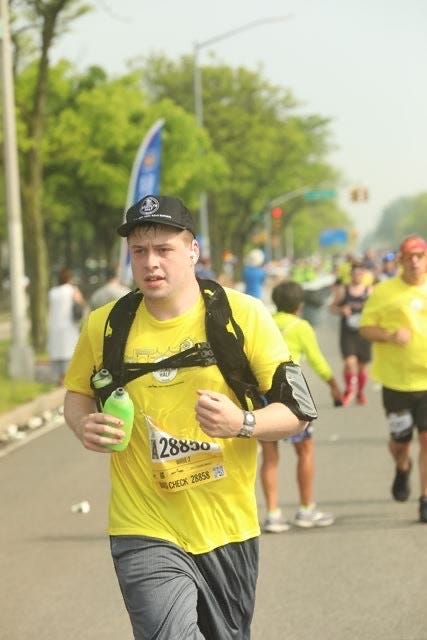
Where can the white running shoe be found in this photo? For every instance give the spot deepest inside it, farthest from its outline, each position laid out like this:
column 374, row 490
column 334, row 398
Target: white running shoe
column 313, row 518
column 274, row 523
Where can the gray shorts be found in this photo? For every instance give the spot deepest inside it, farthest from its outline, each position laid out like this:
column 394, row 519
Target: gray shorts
column 173, row 595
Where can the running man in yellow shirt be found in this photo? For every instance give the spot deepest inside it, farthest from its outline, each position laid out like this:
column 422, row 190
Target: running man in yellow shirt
column 301, row 341
column 183, row 519
column 394, row 318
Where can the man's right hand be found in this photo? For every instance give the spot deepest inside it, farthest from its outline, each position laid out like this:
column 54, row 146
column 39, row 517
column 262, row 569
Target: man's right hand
column 99, row 429
column 92, row 428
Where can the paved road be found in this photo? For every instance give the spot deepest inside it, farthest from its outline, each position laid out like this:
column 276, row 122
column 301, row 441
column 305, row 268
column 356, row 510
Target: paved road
column 362, row 579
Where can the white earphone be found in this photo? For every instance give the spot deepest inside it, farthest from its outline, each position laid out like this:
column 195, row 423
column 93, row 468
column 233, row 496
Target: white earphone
column 193, row 256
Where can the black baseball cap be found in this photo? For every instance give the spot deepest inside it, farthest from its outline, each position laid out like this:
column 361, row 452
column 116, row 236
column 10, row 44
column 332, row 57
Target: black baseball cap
column 166, row 210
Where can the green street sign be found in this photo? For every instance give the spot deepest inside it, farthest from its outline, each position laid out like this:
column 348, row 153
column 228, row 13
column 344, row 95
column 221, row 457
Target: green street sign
column 319, row 194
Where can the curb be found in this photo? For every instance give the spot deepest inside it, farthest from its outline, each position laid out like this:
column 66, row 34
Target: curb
column 22, row 414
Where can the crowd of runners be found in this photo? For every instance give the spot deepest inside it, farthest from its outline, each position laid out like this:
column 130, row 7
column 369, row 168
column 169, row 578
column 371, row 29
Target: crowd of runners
column 183, row 519
column 381, row 301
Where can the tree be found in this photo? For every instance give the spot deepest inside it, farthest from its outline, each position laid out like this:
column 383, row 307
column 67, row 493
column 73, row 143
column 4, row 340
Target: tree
column 416, row 220
column 92, row 142
column 51, row 18
column 268, row 148
column 311, row 220
column 402, row 217
column 94, row 126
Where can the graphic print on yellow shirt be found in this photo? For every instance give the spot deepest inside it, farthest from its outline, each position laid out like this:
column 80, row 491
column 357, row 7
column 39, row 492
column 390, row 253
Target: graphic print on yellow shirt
column 179, row 464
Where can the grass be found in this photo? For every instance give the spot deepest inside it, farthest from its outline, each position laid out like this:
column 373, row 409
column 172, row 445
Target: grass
column 16, row 392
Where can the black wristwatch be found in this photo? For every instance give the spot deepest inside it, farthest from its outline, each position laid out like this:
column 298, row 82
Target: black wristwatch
column 249, row 422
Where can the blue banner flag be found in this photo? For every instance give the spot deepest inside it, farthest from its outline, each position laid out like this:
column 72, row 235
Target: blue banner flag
column 144, row 180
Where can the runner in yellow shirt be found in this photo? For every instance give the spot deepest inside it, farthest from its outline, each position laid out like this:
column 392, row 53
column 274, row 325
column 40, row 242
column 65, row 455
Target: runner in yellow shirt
column 394, row 318
column 183, row 520
column 301, row 341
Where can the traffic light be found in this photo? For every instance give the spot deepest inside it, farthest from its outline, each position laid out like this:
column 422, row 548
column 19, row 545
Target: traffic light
column 276, row 214
column 359, row 194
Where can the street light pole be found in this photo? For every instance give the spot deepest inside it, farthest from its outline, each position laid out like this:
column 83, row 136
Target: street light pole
column 21, row 363
column 198, row 109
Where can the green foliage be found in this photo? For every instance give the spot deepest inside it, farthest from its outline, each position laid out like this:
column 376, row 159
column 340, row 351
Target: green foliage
column 311, row 221
column 268, row 148
column 95, row 128
column 416, row 219
column 183, row 143
column 403, row 217
column 16, row 392
column 47, row 19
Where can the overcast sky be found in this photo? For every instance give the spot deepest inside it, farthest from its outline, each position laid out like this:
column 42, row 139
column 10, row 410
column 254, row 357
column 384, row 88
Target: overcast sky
column 361, row 63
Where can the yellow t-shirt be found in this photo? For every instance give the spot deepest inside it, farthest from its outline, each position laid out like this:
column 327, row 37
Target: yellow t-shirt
column 344, row 274
column 302, row 341
column 174, row 482
column 394, row 304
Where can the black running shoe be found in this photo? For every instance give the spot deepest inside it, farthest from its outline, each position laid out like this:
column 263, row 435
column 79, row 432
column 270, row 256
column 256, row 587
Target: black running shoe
column 400, row 487
column 423, row 509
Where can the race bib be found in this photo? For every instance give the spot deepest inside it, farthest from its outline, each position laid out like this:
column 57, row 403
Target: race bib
column 400, row 423
column 179, row 464
column 353, row 321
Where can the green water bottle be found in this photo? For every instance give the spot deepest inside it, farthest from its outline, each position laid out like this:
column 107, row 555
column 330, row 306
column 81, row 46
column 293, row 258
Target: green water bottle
column 120, row 405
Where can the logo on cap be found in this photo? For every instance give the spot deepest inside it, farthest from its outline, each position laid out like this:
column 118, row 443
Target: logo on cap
column 149, row 205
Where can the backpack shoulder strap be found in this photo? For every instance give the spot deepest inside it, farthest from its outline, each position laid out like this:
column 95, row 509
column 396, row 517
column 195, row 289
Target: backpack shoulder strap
column 223, row 333
column 227, row 341
column 116, row 331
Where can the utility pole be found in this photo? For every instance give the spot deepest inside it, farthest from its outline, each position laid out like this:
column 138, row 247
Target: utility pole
column 203, row 196
column 21, row 360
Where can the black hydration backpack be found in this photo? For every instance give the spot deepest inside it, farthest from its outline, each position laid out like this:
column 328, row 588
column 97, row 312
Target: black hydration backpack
column 224, row 347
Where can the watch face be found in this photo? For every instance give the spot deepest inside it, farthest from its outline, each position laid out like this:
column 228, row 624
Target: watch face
column 248, row 425
column 249, row 418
